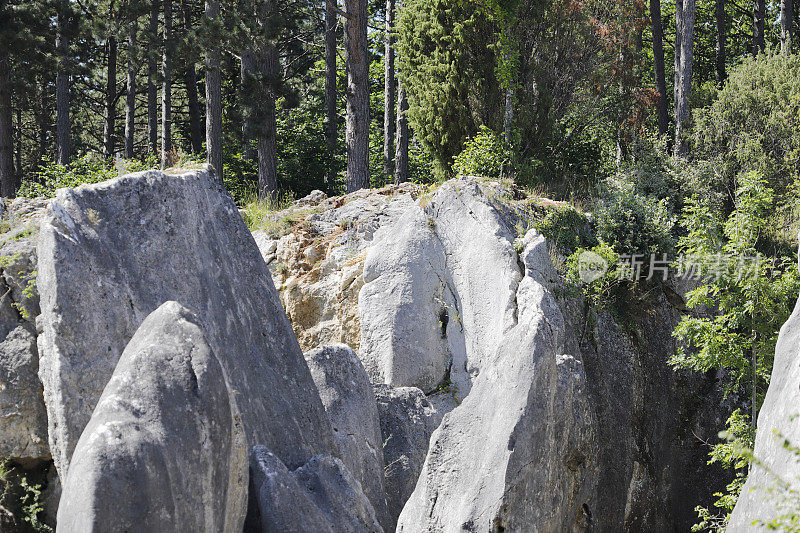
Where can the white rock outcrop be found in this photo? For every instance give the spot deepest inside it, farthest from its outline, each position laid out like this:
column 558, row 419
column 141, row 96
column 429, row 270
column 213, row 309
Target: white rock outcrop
column 164, row 450
column 112, row 253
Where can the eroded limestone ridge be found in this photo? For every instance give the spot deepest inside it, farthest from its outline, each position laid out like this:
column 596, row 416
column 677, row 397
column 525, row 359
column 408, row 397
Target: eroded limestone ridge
column 476, row 394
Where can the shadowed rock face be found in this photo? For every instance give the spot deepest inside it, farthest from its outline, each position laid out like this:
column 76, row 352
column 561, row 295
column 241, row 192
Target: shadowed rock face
column 23, row 432
column 164, row 450
column 407, row 422
column 110, row 254
column 764, row 496
column 321, row 496
column 349, row 402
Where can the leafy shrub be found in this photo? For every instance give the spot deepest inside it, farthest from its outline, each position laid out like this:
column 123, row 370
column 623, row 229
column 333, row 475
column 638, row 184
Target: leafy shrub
column 754, row 124
column 566, row 229
column 52, row 176
column 633, row 223
column 21, row 500
column 487, row 155
column 598, row 288
column 735, row 451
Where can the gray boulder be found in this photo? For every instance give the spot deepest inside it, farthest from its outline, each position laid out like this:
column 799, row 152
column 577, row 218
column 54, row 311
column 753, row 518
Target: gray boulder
column 518, row 453
column 771, row 488
column 403, row 305
column 23, row 433
column 321, row 496
column 407, row 422
column 164, row 449
column 349, row 402
column 112, row 253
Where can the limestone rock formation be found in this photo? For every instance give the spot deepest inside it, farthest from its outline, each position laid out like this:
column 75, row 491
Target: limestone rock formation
column 111, row 253
column 164, row 449
column 23, row 432
column 406, row 305
column 346, row 393
column 772, row 485
column 321, row 496
column 317, row 266
column 407, row 422
column 463, row 242
column 523, row 439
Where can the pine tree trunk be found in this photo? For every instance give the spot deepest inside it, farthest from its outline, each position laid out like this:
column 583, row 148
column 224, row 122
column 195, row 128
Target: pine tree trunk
column 685, row 78
column 130, row 95
column 110, row 115
column 152, row 79
column 249, row 151
column 357, row 134
column 267, row 61
column 190, row 80
column 62, row 86
column 722, row 37
column 267, row 139
column 401, row 174
column 787, row 26
column 166, row 88
column 213, row 99
column 658, row 64
column 331, row 26
column 18, row 145
column 8, row 182
column 759, row 15
column 678, row 33
column 389, row 111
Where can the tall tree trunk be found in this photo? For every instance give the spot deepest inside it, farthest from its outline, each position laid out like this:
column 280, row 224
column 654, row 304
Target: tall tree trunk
column 685, row 76
column 331, row 27
column 658, row 65
column 166, row 94
column 190, row 80
column 110, row 115
column 389, row 112
column 401, row 174
column 266, row 56
column 759, row 15
column 722, row 37
column 8, row 182
column 248, row 69
column 152, row 77
column 130, row 93
column 267, row 140
column 42, row 126
column 787, row 26
column 213, row 98
column 18, row 146
column 678, row 36
column 62, row 85
column 357, row 135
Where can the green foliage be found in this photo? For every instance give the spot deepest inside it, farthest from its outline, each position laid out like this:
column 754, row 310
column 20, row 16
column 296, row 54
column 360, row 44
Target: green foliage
column 734, row 452
column 633, row 223
column 240, row 176
column 22, row 498
column 754, row 124
column 566, row 229
column 752, row 296
column 52, row 176
column 487, row 155
column 597, row 286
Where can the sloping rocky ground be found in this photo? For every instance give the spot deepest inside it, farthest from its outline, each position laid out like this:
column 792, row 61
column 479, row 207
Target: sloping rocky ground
column 467, row 390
